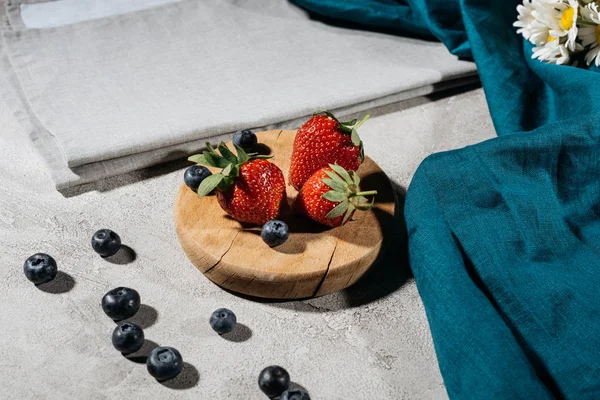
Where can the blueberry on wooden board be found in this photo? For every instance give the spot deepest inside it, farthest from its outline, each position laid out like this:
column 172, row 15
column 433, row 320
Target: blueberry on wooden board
column 194, row 176
column 245, row 139
column 275, row 232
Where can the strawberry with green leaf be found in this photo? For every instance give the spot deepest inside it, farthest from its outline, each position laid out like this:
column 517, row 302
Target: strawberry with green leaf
column 324, row 140
column 249, row 188
column 332, row 195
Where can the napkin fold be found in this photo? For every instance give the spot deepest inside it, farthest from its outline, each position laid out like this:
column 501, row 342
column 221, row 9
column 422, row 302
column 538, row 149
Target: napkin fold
column 110, row 95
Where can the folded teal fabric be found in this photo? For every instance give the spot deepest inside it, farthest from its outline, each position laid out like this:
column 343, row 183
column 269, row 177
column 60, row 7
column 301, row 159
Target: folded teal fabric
column 504, row 236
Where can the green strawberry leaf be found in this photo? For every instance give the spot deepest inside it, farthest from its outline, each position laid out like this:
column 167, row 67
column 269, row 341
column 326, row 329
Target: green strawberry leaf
column 355, row 138
column 227, row 154
column 348, row 214
column 335, row 196
column 349, row 123
column 226, row 183
column 210, row 148
column 235, row 171
column 227, row 170
column 355, row 179
column 365, row 207
column 209, row 184
column 338, row 210
column 335, row 177
column 242, row 156
column 335, row 184
column 329, row 114
column 198, row 159
column 341, row 172
column 215, row 160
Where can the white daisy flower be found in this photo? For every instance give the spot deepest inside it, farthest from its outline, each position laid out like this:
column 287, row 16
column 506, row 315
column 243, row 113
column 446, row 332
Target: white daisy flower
column 590, row 13
column 525, row 18
column 536, row 18
column 563, row 20
column 552, row 52
column 539, row 33
column 590, row 35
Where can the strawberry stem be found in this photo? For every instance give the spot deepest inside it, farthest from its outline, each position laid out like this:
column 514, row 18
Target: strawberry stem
column 366, row 193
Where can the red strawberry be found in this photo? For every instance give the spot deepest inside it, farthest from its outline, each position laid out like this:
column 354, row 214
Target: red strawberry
column 332, row 195
column 249, row 188
column 323, row 140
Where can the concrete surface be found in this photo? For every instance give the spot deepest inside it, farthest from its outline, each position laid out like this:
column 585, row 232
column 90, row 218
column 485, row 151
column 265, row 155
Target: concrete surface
column 368, row 342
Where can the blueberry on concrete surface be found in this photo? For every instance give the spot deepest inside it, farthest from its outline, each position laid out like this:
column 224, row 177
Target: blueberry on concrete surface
column 106, row 242
column 164, row 363
column 275, row 232
column 121, row 303
column 128, row 337
column 294, row 394
column 245, row 139
column 273, row 381
column 40, row 268
column 194, row 176
column 223, row 321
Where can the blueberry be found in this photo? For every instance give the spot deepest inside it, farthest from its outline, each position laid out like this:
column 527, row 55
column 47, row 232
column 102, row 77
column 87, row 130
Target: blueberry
column 40, row 268
column 121, row 303
column 194, row 176
column 106, row 242
column 245, row 139
column 164, row 363
column 223, row 321
column 275, row 232
column 273, row 381
column 294, row 394
column 128, row 337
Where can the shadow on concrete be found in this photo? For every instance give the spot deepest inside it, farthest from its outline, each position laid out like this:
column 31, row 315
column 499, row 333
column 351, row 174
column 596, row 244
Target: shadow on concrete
column 297, row 386
column 187, row 379
column 125, row 255
column 141, row 356
column 239, row 334
column 145, row 317
column 62, row 283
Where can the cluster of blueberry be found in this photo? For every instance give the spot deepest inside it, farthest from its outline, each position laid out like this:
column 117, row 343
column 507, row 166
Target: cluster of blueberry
column 122, row 303
column 274, row 232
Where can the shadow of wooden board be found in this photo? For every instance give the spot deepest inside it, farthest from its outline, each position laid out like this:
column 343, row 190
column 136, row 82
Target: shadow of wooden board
column 314, row 261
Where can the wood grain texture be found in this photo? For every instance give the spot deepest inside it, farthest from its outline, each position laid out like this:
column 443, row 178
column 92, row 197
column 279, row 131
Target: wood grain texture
column 315, row 260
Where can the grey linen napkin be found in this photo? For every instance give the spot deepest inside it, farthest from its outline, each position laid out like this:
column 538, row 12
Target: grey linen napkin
column 115, row 94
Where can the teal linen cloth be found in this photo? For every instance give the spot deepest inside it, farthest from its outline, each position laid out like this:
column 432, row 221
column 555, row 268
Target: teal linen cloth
column 504, row 236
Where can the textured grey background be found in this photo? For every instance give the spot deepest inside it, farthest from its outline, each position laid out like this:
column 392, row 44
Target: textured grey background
column 369, row 342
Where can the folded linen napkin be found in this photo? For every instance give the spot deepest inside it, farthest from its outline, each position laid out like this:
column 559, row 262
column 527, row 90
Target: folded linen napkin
column 114, row 94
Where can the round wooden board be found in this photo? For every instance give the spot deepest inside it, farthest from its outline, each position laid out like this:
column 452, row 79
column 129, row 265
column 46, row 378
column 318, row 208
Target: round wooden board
column 314, row 261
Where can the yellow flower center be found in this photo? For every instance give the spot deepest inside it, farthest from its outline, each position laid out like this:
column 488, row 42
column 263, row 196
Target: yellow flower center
column 551, row 38
column 566, row 18
column 598, row 34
